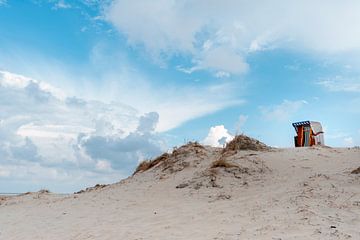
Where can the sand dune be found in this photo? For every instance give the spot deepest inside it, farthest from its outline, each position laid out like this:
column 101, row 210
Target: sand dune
column 201, row 192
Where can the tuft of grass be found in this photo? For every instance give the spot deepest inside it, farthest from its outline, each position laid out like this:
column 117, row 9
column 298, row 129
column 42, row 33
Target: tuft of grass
column 170, row 159
column 196, row 144
column 147, row 164
column 356, row 171
column 89, row 189
column 44, row 191
column 143, row 166
column 243, row 142
column 222, row 163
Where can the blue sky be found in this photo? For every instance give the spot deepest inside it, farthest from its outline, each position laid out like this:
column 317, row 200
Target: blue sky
column 89, row 88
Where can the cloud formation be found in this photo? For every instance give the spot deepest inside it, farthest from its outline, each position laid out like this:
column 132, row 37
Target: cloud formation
column 122, row 151
column 68, row 138
column 213, row 31
column 217, row 136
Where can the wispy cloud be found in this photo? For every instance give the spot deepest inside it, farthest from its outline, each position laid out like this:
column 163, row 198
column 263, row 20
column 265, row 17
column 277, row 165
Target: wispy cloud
column 220, row 35
column 176, row 103
column 222, row 61
column 61, row 4
column 343, row 139
column 283, row 111
column 340, row 84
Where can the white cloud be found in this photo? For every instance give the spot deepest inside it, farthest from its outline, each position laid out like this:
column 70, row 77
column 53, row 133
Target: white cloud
column 183, row 106
column 340, row 138
column 340, row 84
column 47, row 137
column 3, row 2
column 235, row 28
column 335, row 134
column 49, row 131
column 15, row 81
column 222, row 74
column 348, row 142
column 61, row 4
column 223, row 60
column 139, row 144
column 178, row 30
column 283, row 111
column 217, row 136
column 103, row 165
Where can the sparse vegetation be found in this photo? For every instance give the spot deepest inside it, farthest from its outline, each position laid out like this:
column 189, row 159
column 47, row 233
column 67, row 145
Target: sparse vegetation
column 147, row 164
column 89, row 189
column 143, row 166
column 43, row 191
column 170, row 159
column 187, row 148
column 242, row 142
column 2, row 199
column 222, row 163
column 356, row 171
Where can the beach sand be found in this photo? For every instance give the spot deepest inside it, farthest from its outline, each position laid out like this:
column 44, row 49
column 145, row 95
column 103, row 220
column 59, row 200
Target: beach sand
column 295, row 193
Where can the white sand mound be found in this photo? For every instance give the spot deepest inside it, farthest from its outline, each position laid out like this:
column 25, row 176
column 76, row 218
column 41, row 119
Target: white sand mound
column 199, row 192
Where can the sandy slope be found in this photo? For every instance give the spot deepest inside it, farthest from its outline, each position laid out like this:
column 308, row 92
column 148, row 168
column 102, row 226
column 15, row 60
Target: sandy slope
column 303, row 193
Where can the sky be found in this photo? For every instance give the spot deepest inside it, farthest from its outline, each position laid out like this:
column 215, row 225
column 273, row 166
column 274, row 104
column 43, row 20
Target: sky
column 90, row 88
